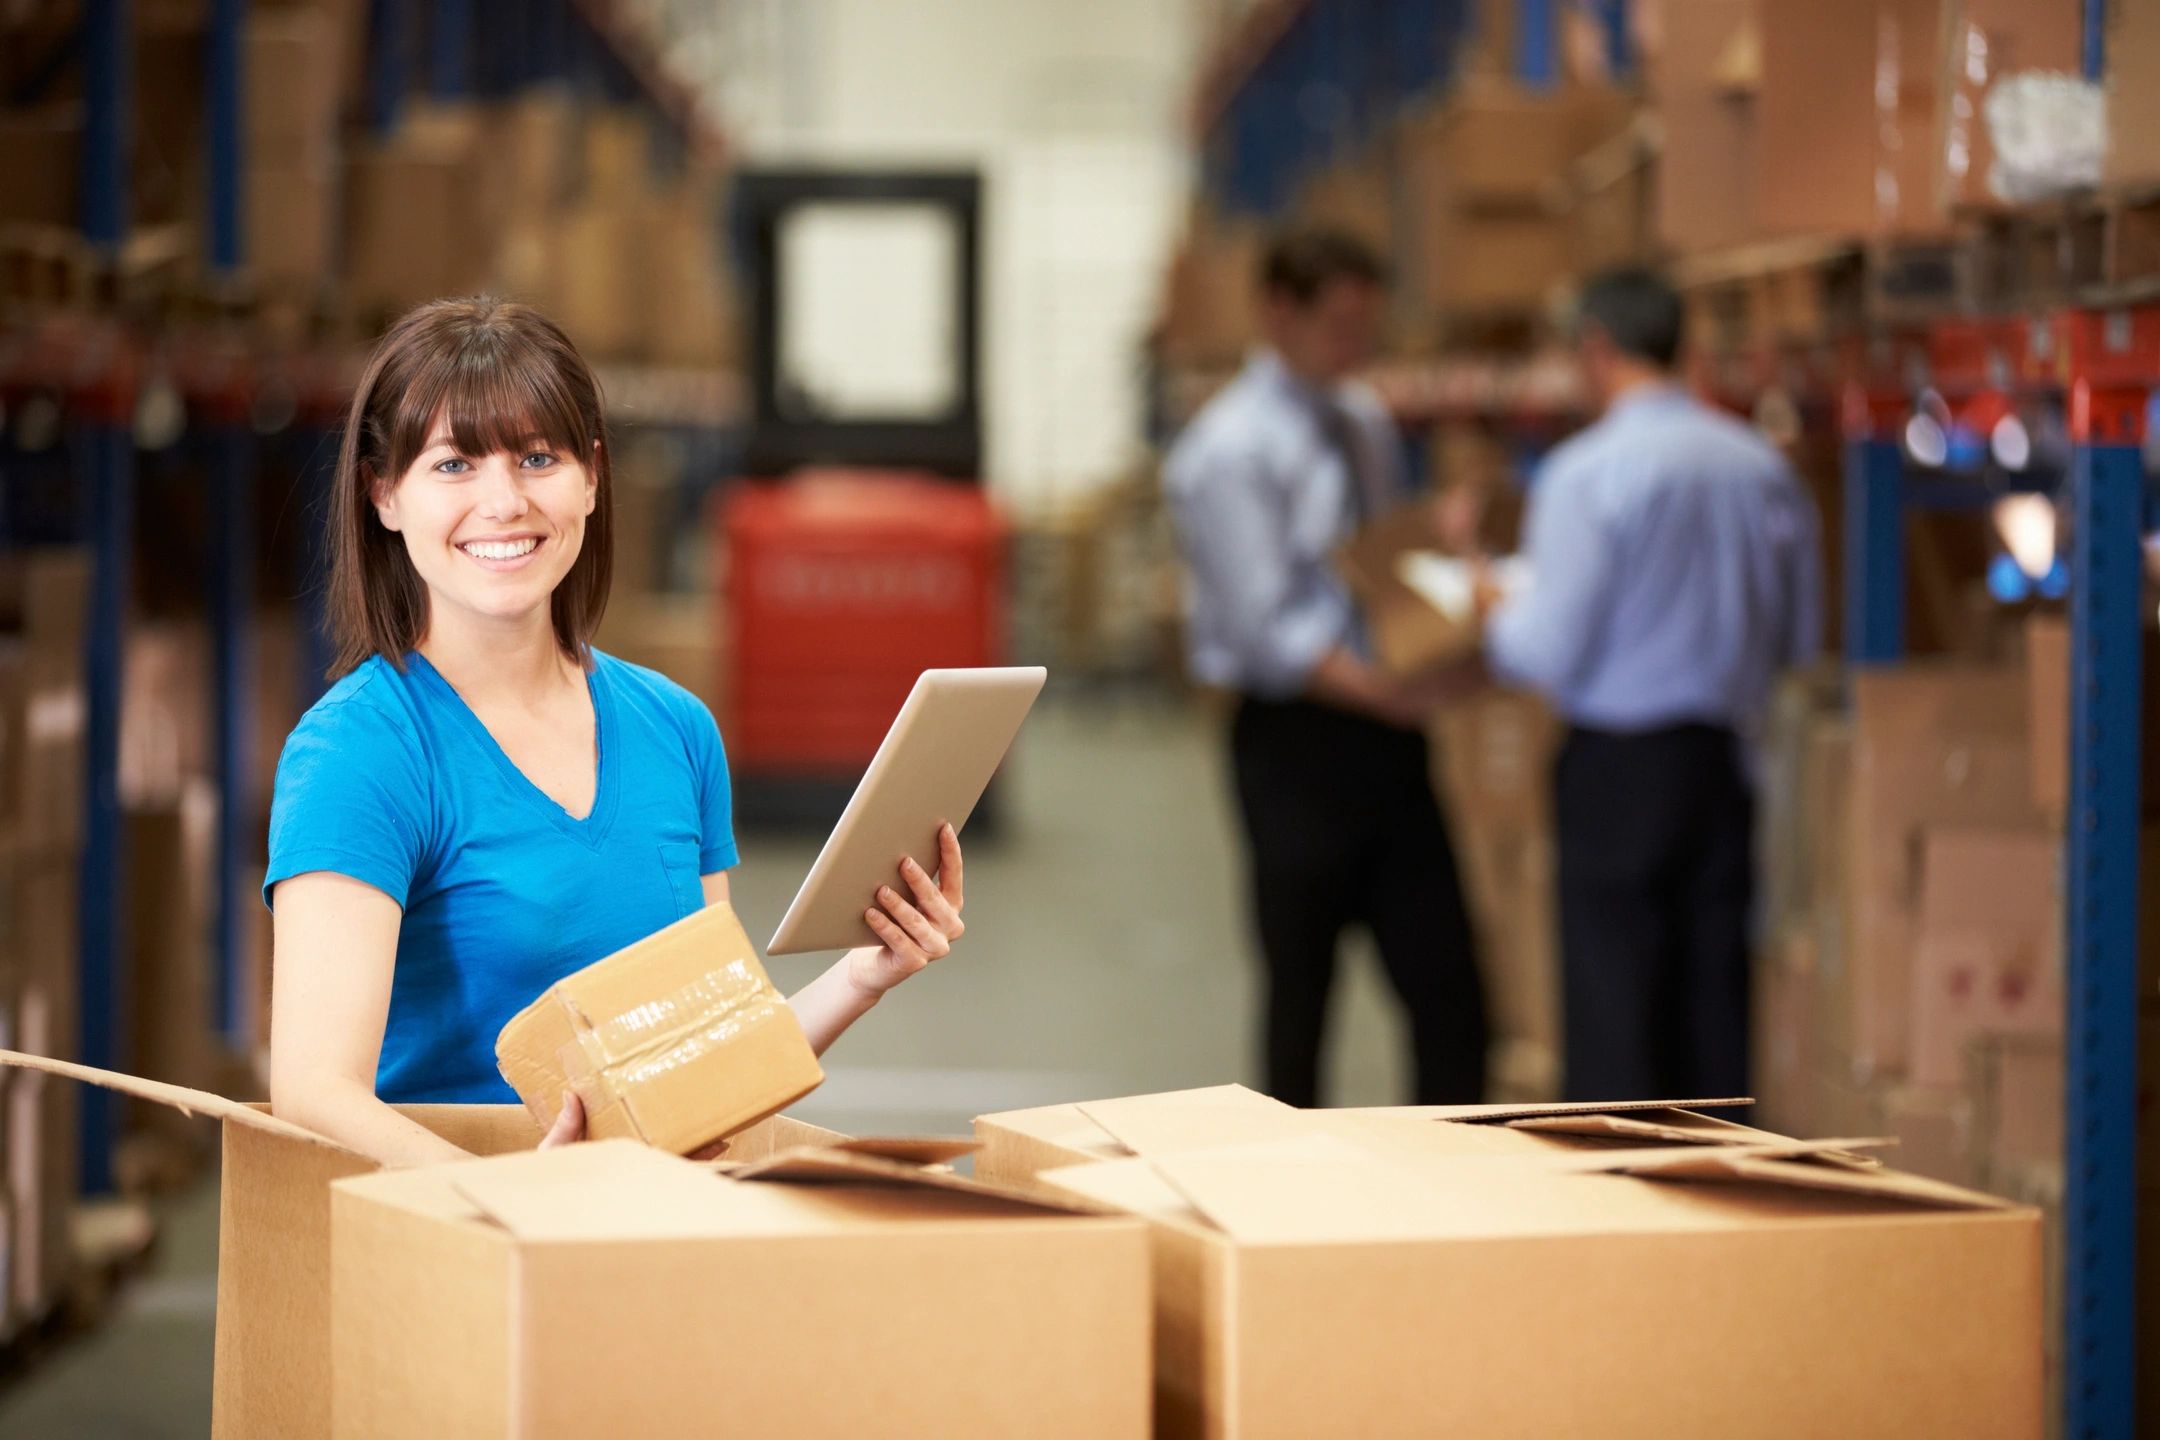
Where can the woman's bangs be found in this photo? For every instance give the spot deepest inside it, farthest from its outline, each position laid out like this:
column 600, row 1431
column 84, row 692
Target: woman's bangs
column 503, row 407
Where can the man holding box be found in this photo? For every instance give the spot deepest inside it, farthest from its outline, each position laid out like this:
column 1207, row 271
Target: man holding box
column 1328, row 753
column 1675, row 570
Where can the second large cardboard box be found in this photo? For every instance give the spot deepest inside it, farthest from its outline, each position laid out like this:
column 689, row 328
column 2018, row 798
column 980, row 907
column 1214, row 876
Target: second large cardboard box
column 1317, row 1274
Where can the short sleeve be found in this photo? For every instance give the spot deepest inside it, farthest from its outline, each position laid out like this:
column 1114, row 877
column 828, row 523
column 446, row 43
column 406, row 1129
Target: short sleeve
column 716, row 798
column 352, row 797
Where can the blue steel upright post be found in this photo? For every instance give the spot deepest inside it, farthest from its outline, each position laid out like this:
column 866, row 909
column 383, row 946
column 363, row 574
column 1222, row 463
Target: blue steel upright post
column 1874, row 531
column 105, row 447
column 2101, row 901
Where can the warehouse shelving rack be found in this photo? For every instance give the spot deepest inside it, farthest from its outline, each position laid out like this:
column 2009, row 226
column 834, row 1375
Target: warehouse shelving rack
column 245, row 402
column 2103, row 366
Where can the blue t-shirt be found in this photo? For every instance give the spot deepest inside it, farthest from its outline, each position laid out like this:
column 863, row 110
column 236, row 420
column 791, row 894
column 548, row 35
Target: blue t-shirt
column 392, row 780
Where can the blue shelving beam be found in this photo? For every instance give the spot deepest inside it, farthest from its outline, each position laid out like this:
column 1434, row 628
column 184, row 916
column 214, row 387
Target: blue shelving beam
column 2101, row 900
column 104, row 450
column 1874, row 549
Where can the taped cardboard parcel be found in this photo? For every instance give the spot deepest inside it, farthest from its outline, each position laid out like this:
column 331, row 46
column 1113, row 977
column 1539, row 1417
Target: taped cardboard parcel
column 273, row 1300
column 677, row 1040
column 612, row 1289
column 1445, row 1271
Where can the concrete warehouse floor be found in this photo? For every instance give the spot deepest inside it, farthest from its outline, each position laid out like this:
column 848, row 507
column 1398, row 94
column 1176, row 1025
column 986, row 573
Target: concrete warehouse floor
column 1106, row 954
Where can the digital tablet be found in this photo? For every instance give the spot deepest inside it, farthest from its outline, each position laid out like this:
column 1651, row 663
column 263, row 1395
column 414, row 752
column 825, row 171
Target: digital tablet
column 931, row 768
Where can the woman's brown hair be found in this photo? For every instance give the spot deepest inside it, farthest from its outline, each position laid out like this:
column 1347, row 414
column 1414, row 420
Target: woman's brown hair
column 498, row 374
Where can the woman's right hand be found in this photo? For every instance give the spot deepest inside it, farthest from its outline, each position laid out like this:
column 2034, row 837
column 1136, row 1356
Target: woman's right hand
column 569, row 1127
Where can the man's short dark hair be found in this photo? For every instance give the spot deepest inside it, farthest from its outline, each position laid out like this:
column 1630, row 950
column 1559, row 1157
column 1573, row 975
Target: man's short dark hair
column 1300, row 264
column 1638, row 310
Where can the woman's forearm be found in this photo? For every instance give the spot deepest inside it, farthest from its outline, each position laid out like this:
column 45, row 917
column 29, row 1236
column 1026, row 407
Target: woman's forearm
column 352, row 1116
column 829, row 1004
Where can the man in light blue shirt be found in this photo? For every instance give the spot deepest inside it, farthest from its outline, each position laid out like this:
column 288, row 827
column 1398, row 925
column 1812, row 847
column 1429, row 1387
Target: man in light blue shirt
column 1327, row 752
column 1675, row 569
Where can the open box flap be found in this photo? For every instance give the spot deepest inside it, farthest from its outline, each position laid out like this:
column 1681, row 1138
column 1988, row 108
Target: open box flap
column 1789, row 1166
column 595, row 1190
column 176, row 1097
column 1672, row 1127
column 1316, row 1186
column 911, row 1149
column 840, row 1165
column 1507, row 1114
column 1194, row 1119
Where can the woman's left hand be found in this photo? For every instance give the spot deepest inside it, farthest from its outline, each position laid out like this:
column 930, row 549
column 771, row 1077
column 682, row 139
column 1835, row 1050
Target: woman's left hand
column 914, row 934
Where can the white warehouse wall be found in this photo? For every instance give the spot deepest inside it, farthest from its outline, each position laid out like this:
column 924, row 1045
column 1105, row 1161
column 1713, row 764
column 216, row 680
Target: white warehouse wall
column 1073, row 112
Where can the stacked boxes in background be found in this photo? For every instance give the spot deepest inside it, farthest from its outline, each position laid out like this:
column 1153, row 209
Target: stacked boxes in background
column 1911, row 977
column 44, row 609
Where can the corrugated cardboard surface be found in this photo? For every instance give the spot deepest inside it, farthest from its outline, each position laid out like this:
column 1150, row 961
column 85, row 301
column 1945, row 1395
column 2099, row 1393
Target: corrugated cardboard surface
column 678, row 1040
column 1931, row 745
column 1707, row 179
column 1301, row 1281
column 609, row 1289
column 2133, row 92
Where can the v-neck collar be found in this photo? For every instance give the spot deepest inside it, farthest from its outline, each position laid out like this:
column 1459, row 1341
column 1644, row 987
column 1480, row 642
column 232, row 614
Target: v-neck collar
column 592, row 829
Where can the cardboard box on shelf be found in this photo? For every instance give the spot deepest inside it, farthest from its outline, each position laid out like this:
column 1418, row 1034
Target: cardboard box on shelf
column 1273, row 1254
column 44, row 708
column 1492, row 144
column 598, row 1289
column 1704, row 78
column 618, row 149
column 1211, row 301
column 678, row 635
column 1787, row 1057
column 292, row 59
column 600, row 286
column 1988, row 957
column 169, row 935
column 2017, row 1104
column 42, row 1118
column 412, row 233
column 41, row 165
column 1478, row 264
column 273, row 1367
column 1355, row 195
column 1989, row 40
column 292, row 222
column 1931, row 745
column 678, row 1040
column 1934, row 1132
column 2133, row 93
column 2047, row 673
column 691, row 314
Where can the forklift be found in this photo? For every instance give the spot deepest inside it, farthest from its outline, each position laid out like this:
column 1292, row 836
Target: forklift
column 859, row 547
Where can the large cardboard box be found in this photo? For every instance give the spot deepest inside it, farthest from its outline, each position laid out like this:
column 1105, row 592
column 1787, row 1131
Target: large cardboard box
column 1689, row 1289
column 2133, row 92
column 169, row 938
column 1703, row 80
column 601, row 1289
column 678, row 1040
column 1492, row 144
column 1931, row 745
column 273, row 1374
column 1989, row 955
column 2017, row 1104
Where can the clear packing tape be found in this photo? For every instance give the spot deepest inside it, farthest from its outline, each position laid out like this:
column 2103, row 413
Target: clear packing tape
column 668, row 1033
column 678, row 1040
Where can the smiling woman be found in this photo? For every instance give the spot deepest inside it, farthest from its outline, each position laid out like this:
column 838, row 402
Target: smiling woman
column 484, row 803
